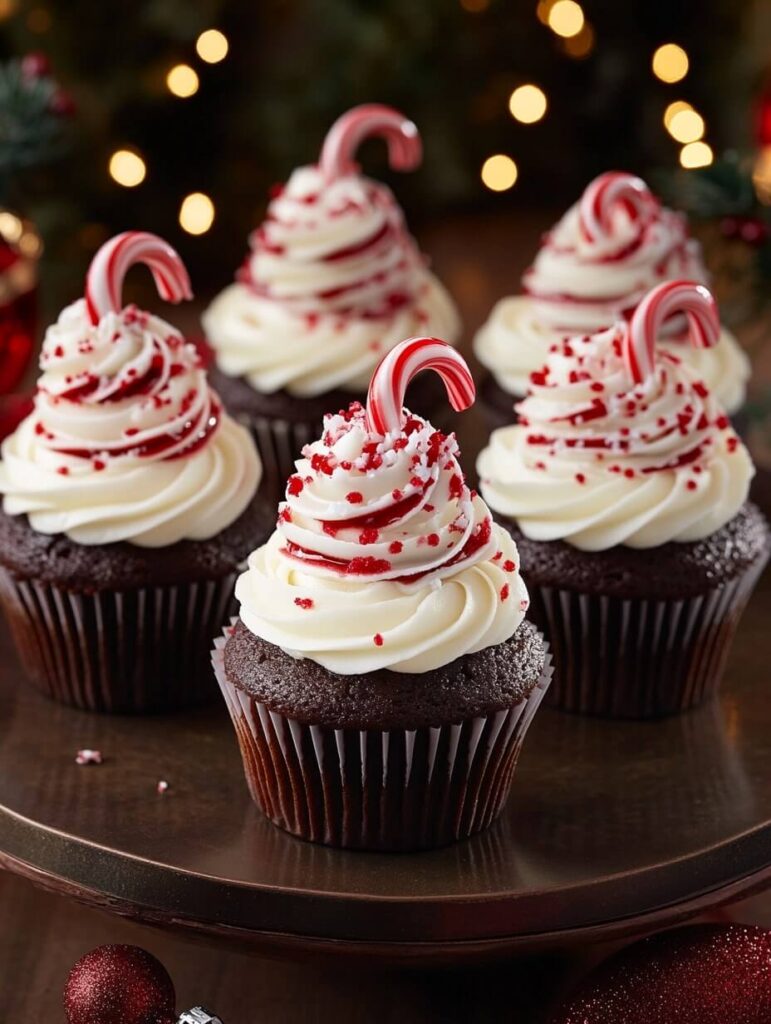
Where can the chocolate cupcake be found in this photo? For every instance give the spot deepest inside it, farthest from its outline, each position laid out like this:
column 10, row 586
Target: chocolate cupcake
column 128, row 502
column 333, row 281
column 381, row 677
column 593, row 268
column 627, row 488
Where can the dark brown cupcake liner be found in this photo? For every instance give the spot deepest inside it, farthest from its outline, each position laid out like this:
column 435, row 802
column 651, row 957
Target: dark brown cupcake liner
column 399, row 789
column 636, row 658
column 132, row 651
column 279, row 442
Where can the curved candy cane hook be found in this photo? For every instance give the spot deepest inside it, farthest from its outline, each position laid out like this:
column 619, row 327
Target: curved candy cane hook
column 662, row 302
column 104, row 281
column 350, row 130
column 605, row 194
column 385, row 398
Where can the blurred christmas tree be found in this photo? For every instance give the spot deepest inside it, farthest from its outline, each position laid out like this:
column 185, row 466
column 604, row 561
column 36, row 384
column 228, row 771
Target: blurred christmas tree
column 217, row 99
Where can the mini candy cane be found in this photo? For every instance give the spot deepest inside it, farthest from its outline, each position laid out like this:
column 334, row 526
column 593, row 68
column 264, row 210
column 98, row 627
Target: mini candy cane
column 350, row 130
column 605, row 194
column 104, row 281
column 385, row 397
column 662, row 302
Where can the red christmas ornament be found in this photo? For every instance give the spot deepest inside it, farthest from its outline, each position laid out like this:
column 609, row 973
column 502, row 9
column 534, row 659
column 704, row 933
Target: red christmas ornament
column 702, row 974
column 35, row 65
column 119, row 985
column 62, row 104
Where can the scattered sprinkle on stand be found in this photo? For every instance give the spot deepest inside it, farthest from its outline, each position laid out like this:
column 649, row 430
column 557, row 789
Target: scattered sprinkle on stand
column 86, row 757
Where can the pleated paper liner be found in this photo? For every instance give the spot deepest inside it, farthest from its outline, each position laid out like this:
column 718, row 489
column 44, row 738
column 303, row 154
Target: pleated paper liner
column 280, row 443
column 634, row 658
column 132, row 651
column 378, row 790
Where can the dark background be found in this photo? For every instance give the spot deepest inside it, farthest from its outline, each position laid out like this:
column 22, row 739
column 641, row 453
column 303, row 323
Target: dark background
column 294, row 66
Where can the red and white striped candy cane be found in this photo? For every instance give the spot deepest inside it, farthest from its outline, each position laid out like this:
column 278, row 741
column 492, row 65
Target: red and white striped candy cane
column 385, row 398
column 349, row 131
column 605, row 194
column 661, row 303
column 104, row 282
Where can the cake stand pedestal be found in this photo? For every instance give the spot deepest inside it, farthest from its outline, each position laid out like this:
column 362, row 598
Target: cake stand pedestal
column 613, row 829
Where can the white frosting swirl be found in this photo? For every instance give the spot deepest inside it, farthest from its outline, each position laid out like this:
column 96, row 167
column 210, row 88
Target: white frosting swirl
column 333, row 282
column 598, row 461
column 579, row 286
column 126, row 441
column 382, row 557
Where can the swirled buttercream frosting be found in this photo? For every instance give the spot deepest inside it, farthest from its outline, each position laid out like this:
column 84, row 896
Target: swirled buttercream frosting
column 599, row 460
column 332, row 282
column 126, row 441
column 382, row 557
column 593, row 268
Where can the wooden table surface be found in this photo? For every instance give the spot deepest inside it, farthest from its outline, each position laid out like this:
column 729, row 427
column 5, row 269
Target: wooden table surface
column 41, row 934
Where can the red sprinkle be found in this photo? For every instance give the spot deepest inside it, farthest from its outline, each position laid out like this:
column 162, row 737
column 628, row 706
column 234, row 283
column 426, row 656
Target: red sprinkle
column 64, row 470
column 369, row 536
column 505, row 592
column 378, row 640
column 580, row 478
column 304, row 602
column 295, row 485
column 395, row 547
column 691, row 485
column 354, row 497
column 509, row 566
column 433, row 540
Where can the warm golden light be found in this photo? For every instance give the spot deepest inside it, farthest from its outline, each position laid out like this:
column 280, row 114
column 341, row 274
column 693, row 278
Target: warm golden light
column 695, row 154
column 127, row 168
column 566, row 18
column 7, row 8
column 499, row 172
column 196, row 214
column 182, row 81
column 761, row 175
column 212, row 46
column 542, row 10
column 670, row 63
column 581, row 45
column 675, row 108
column 527, row 104
column 686, row 126
column 11, row 227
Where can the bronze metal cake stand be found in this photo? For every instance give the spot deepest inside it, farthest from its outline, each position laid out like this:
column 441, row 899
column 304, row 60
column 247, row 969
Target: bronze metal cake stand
column 613, row 828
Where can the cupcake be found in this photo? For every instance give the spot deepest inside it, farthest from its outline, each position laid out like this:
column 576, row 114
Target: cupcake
column 593, row 268
column 381, row 676
column 332, row 282
column 625, row 487
column 128, row 502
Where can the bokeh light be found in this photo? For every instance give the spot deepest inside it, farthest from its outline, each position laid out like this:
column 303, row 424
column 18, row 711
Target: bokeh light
column 580, row 45
column 127, row 168
column 686, row 126
column 212, row 46
column 674, row 108
column 527, row 104
column 499, row 172
column 182, row 81
column 670, row 63
column 566, row 18
column 475, row 6
column 696, row 154
column 196, row 214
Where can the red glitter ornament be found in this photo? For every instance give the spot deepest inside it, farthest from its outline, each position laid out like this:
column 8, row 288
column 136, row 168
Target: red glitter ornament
column 119, row 985
column 702, row 974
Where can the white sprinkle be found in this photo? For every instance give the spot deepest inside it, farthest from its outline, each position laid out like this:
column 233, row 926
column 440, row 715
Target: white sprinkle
column 162, row 786
column 88, row 757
